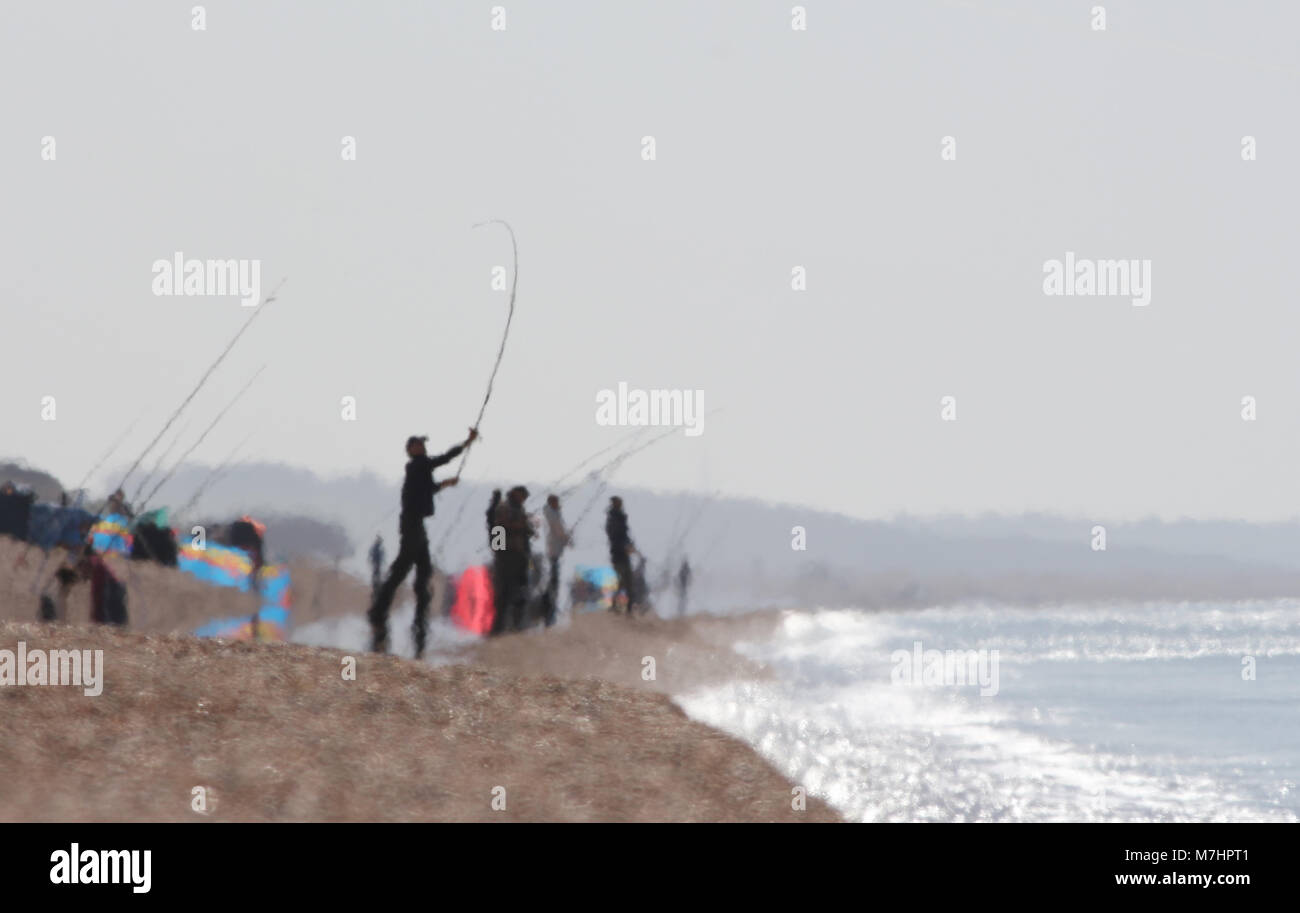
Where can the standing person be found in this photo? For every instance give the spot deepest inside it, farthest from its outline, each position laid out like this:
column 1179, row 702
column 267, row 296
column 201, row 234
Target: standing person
column 683, row 584
column 510, row 563
column 249, row 536
column 413, row 550
column 376, row 566
column 56, row 608
column 117, row 505
column 620, row 551
column 107, row 595
column 557, row 540
column 66, row 575
column 492, row 513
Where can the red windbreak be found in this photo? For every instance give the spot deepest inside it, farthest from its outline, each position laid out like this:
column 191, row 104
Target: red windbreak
column 473, row 608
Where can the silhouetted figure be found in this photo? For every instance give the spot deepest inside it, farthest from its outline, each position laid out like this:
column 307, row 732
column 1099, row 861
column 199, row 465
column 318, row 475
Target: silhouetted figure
column 413, row 550
column 492, row 513
column 510, row 559
column 66, row 576
column 621, row 549
column 249, row 536
column 639, row 599
column 117, row 505
column 683, row 584
column 376, row 567
column 15, row 511
column 557, row 540
column 107, row 594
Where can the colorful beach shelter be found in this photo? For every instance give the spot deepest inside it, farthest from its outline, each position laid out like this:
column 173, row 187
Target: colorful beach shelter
column 593, row 587
column 272, row 624
column 112, row 534
column 473, row 609
column 222, row 565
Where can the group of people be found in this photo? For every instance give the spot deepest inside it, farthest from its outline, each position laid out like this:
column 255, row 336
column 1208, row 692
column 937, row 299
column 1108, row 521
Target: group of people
column 107, row 592
column 80, row 563
column 519, row 594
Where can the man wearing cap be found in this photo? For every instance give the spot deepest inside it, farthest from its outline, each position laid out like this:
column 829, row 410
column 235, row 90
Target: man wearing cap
column 413, row 550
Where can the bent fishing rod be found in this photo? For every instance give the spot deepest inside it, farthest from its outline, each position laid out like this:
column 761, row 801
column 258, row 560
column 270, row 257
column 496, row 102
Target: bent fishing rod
column 501, row 350
column 496, row 366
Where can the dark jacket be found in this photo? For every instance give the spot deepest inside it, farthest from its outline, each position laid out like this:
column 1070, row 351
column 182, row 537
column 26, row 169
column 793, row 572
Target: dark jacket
column 616, row 530
column 418, row 489
column 518, row 529
column 107, row 595
column 492, row 513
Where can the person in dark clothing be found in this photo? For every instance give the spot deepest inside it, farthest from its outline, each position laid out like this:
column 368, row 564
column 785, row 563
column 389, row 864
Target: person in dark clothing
column 376, row 566
column 683, row 584
column 639, row 598
column 413, row 549
column 621, row 550
column 510, row 564
column 492, row 513
column 107, row 595
column 557, row 539
column 249, row 536
column 117, row 505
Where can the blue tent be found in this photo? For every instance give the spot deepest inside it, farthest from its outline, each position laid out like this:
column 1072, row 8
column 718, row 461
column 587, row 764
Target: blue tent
column 50, row 525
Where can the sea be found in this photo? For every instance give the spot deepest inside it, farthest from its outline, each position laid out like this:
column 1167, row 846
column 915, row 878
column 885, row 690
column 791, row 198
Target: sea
column 1127, row 712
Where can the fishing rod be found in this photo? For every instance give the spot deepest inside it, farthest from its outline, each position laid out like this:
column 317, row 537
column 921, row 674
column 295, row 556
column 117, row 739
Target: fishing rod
column 194, row 446
column 158, row 464
column 620, row 442
column 608, row 470
column 676, row 545
column 176, row 414
column 214, row 475
column 677, row 522
column 110, row 451
column 612, row 466
column 501, row 350
column 714, row 544
column 199, row 386
column 594, row 474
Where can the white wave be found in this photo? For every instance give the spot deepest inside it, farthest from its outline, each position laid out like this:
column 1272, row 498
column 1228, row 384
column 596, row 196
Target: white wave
column 832, row 721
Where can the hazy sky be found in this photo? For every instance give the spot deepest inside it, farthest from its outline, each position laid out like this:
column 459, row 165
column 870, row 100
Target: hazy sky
column 775, row 148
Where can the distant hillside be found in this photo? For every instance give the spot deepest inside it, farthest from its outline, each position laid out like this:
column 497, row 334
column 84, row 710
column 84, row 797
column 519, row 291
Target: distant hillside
column 742, row 554
column 46, row 486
